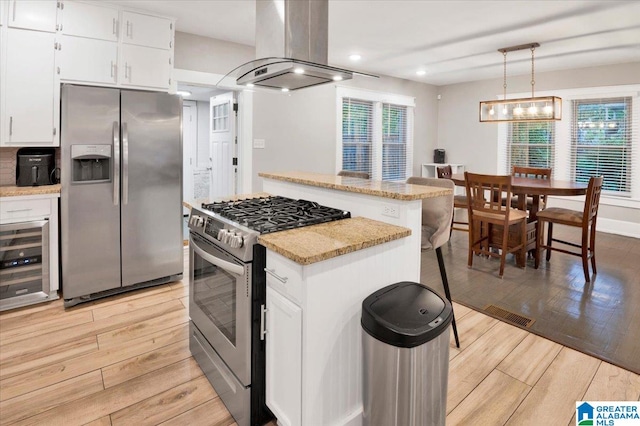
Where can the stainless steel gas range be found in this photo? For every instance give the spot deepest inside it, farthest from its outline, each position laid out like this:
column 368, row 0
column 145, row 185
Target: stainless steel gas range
column 227, row 293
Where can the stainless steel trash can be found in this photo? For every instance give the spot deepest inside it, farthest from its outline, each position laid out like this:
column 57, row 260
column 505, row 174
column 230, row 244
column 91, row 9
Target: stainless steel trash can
column 405, row 356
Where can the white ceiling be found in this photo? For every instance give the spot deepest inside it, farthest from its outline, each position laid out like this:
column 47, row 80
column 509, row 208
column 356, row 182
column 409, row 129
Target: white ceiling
column 454, row 41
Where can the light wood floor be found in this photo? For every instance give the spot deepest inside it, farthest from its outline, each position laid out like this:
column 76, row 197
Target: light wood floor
column 125, row 360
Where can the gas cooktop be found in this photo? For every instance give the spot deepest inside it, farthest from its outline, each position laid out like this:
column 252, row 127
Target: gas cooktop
column 271, row 214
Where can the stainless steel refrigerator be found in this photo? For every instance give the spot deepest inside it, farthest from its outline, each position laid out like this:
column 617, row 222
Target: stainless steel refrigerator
column 121, row 198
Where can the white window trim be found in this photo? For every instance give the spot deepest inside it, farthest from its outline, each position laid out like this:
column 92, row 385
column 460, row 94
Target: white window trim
column 378, row 98
column 562, row 161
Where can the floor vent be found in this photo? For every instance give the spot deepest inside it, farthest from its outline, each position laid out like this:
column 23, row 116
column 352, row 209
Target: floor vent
column 509, row 316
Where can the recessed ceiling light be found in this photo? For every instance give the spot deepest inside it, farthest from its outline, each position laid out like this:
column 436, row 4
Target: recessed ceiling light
column 284, row 89
column 337, row 78
column 250, row 85
column 421, row 72
column 184, row 93
column 299, row 70
column 355, row 57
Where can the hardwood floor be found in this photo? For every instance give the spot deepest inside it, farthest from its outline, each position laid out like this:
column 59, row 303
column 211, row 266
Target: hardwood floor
column 125, row 360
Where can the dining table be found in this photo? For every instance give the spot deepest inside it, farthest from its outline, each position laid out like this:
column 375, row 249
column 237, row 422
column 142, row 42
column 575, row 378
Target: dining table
column 536, row 188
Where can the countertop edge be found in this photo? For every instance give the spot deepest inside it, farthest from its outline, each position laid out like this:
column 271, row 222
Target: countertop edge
column 21, row 191
column 354, row 188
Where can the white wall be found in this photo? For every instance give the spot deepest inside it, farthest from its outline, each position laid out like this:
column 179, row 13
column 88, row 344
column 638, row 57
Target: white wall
column 197, row 53
column 474, row 144
column 204, row 148
column 299, row 128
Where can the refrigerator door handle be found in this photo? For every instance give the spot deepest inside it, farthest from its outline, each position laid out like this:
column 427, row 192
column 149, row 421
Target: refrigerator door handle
column 125, row 163
column 116, row 163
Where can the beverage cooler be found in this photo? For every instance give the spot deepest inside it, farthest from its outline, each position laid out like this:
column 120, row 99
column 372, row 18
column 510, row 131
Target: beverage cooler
column 24, row 263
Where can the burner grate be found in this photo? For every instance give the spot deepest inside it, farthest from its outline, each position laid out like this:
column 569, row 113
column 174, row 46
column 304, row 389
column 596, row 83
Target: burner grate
column 271, row 214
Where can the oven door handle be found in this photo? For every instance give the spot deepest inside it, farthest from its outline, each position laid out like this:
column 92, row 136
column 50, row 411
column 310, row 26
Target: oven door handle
column 227, row 266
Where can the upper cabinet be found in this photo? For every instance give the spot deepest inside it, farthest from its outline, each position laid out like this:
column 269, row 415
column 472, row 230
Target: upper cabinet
column 148, row 31
column 33, row 15
column 29, row 91
column 90, row 20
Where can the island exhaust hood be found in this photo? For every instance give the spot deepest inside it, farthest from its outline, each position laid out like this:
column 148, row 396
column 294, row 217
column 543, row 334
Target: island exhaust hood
column 291, row 45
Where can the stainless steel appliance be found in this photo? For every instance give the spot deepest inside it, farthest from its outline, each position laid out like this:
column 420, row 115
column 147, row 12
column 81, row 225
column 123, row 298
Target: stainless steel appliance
column 24, row 264
column 227, row 290
column 121, row 198
column 35, row 166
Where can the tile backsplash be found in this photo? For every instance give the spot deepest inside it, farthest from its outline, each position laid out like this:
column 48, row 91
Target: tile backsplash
column 8, row 160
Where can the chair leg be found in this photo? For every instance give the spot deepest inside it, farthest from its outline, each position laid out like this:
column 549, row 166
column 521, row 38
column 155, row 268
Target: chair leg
column 505, row 242
column 549, row 238
column 471, row 244
column 445, row 284
column 585, row 255
column 539, row 240
column 592, row 248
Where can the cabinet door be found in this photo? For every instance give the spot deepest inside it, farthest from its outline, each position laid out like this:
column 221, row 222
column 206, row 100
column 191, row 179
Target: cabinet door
column 88, row 20
column 284, row 359
column 88, row 60
column 33, row 15
column 29, row 91
column 145, row 30
column 143, row 66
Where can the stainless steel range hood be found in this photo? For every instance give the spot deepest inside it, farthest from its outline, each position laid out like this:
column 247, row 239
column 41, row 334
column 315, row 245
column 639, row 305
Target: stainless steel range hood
column 291, row 46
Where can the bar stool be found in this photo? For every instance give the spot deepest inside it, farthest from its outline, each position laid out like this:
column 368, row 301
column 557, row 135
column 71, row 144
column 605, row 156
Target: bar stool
column 436, row 228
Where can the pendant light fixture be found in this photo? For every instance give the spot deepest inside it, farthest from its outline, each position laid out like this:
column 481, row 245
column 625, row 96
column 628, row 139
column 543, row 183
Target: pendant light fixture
column 547, row 108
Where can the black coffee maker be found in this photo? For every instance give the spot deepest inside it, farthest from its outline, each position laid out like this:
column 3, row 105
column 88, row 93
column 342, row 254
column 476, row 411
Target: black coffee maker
column 35, row 166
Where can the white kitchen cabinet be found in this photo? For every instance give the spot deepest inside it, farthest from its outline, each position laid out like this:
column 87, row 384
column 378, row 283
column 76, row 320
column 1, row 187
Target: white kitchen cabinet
column 283, row 349
column 146, row 30
column 89, row 20
column 143, row 66
column 30, row 98
column 33, row 15
column 88, row 60
column 314, row 337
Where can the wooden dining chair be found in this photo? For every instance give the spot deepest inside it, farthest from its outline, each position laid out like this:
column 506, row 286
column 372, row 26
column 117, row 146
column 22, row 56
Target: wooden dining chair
column 485, row 213
column 353, row 173
column 586, row 220
column 436, row 228
column 459, row 201
column 534, row 173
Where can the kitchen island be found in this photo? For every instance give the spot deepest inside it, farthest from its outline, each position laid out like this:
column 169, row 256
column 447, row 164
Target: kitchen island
column 391, row 202
column 317, row 277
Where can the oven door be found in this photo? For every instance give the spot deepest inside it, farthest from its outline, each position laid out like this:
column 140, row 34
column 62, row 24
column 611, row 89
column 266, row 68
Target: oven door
column 220, row 303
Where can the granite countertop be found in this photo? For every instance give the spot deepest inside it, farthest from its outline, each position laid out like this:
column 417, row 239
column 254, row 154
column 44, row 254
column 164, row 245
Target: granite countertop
column 198, row 202
column 311, row 244
column 395, row 190
column 15, row 191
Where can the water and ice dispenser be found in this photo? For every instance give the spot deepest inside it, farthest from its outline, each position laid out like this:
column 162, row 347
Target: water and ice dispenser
column 91, row 163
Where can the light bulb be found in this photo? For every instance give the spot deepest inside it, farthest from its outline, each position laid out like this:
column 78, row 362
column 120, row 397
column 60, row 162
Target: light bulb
column 504, row 111
column 421, row 72
column 355, row 57
column 299, row 70
column 533, row 110
column 284, row 89
column 250, row 85
column 518, row 110
column 548, row 109
column 491, row 111
column 337, row 78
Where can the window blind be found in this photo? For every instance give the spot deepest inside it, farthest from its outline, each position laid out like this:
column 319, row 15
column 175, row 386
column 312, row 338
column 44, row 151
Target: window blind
column 530, row 144
column 601, row 142
column 394, row 142
column 357, row 135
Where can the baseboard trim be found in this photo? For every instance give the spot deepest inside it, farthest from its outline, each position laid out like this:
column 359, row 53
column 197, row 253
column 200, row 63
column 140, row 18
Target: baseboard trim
column 618, row 227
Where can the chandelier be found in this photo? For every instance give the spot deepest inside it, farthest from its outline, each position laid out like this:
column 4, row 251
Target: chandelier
column 547, row 108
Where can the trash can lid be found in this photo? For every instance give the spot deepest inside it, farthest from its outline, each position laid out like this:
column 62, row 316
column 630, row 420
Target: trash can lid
column 405, row 314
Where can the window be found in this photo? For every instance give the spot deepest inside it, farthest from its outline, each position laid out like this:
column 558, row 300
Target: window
column 530, row 144
column 357, row 135
column 601, row 142
column 375, row 134
column 597, row 136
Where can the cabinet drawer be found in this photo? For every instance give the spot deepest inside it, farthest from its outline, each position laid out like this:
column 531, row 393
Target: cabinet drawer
column 24, row 209
column 285, row 276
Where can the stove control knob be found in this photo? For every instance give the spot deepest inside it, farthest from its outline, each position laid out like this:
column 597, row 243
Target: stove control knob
column 226, row 237
column 237, row 241
column 221, row 234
